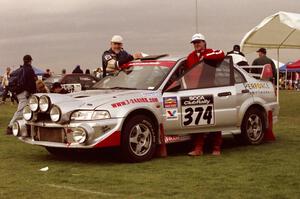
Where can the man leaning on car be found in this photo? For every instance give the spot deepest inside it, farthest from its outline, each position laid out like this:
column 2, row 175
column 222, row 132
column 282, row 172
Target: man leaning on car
column 209, row 55
column 116, row 56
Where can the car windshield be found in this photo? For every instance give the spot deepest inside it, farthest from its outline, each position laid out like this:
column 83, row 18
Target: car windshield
column 135, row 77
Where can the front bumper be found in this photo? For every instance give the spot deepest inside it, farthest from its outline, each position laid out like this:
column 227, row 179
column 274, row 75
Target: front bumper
column 100, row 133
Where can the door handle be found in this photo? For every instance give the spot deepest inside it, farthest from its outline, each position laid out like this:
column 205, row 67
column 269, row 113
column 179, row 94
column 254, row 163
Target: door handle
column 224, row 94
column 245, row 91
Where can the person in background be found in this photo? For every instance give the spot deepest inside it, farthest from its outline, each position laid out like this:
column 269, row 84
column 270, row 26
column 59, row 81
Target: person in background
column 41, row 87
column 57, row 88
column 77, row 70
column 87, row 71
column 4, row 84
column 63, row 71
column 262, row 60
column 202, row 53
column 27, row 88
column 116, row 56
column 98, row 72
column 47, row 74
column 238, row 57
column 236, row 50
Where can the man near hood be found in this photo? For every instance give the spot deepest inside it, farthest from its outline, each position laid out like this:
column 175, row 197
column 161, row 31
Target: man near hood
column 116, row 56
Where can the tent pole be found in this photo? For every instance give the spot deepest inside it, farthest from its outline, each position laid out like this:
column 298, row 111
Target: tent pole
column 277, row 79
column 285, row 82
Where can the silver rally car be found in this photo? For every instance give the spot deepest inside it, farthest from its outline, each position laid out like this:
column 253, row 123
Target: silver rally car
column 152, row 101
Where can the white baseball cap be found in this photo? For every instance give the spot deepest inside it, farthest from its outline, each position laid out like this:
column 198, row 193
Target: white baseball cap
column 197, row 36
column 117, row 39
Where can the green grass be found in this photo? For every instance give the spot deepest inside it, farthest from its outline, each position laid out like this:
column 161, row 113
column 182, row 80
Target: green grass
column 270, row 170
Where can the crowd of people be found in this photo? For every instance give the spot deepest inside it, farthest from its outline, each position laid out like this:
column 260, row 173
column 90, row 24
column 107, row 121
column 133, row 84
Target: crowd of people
column 113, row 61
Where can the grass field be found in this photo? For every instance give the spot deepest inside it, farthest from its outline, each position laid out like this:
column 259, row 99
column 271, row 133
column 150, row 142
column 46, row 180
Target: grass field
column 270, row 170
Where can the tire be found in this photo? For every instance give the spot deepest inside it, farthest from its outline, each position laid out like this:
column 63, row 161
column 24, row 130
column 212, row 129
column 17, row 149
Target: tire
column 253, row 127
column 138, row 141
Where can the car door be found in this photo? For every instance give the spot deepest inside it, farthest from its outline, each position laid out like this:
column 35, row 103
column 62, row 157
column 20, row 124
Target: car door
column 206, row 100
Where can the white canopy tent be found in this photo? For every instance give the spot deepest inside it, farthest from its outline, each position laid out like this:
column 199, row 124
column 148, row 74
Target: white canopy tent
column 278, row 31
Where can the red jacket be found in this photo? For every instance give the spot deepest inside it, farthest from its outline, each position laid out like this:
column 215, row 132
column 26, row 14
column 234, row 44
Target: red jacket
column 208, row 54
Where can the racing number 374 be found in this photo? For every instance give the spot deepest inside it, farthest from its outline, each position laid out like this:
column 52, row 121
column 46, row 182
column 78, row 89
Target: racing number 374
column 195, row 113
column 197, row 110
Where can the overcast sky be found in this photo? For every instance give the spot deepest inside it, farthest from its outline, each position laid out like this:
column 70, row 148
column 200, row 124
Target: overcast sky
column 62, row 33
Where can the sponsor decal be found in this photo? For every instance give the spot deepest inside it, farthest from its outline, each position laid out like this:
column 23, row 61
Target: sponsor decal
column 260, row 85
column 170, row 102
column 176, row 138
column 134, row 101
column 172, row 114
column 197, row 110
column 107, row 57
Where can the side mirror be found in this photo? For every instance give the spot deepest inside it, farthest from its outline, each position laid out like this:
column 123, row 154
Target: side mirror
column 267, row 72
column 175, row 86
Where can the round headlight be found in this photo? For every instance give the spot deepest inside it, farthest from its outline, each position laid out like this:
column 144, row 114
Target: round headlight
column 27, row 113
column 55, row 114
column 79, row 135
column 44, row 103
column 34, row 103
column 16, row 129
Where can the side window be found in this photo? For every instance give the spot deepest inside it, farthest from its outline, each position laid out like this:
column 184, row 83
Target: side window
column 238, row 77
column 177, row 73
column 205, row 75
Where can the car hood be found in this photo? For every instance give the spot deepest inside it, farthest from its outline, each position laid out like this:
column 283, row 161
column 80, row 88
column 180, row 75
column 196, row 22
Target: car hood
column 91, row 99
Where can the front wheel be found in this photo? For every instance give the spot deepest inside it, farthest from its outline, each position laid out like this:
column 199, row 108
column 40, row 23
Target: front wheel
column 138, row 139
column 253, row 127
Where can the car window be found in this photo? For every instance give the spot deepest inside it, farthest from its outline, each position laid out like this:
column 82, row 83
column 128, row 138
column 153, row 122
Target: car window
column 180, row 70
column 205, row 75
column 238, row 77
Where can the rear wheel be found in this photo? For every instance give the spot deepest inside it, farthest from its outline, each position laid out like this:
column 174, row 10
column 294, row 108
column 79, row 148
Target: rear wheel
column 138, row 139
column 253, row 127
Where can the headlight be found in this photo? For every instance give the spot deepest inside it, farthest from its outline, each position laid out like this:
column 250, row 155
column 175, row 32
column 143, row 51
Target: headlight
column 34, row 103
column 27, row 113
column 16, row 129
column 90, row 115
column 55, row 114
column 44, row 103
column 79, row 135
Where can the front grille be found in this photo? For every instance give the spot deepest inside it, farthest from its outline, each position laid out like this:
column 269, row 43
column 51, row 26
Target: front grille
column 51, row 134
column 43, row 117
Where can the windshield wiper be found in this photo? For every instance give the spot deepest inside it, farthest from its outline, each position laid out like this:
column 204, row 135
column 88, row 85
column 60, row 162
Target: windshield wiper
column 123, row 88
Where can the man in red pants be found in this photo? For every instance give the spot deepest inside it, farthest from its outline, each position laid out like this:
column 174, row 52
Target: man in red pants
column 202, row 53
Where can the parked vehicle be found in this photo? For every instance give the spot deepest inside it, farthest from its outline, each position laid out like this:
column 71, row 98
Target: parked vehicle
column 148, row 99
column 72, row 82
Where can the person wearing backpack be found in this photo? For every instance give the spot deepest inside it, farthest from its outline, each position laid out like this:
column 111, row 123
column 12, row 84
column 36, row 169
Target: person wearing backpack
column 23, row 86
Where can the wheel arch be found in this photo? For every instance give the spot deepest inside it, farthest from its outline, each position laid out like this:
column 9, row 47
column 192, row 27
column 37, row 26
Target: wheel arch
column 148, row 113
column 259, row 107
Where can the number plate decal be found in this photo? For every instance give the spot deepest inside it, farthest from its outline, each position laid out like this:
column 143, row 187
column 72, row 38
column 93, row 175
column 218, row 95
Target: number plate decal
column 197, row 110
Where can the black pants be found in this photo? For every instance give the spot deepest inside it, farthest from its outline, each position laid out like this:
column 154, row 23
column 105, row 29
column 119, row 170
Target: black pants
column 5, row 94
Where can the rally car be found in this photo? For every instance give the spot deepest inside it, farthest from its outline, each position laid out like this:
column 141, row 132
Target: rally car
column 152, row 101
